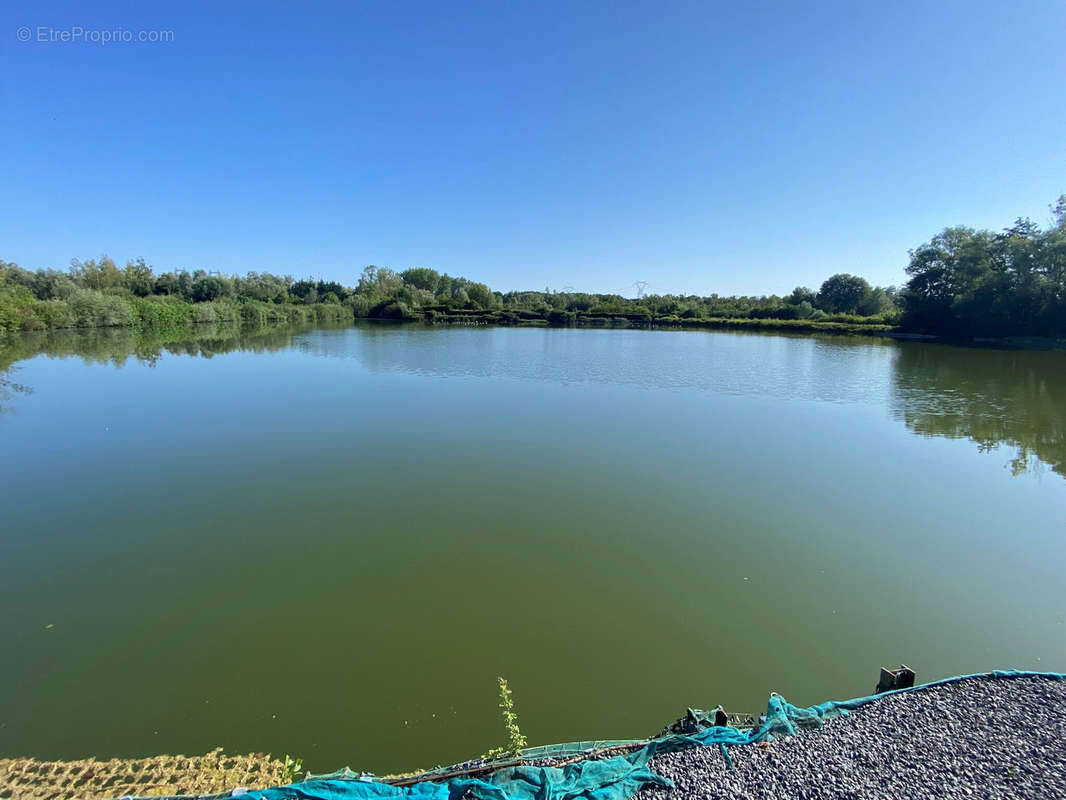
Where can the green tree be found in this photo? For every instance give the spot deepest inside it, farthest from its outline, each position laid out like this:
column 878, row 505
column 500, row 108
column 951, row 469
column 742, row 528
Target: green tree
column 422, row 278
column 206, row 288
column 842, row 293
column 481, row 295
column 378, row 281
column 138, row 278
column 877, row 301
column 100, row 275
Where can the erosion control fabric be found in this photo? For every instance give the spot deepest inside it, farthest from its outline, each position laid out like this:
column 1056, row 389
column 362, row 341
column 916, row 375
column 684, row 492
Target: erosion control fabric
column 617, row 778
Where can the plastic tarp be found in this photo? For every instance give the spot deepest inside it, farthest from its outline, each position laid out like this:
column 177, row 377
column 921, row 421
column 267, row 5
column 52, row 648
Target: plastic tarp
column 610, row 779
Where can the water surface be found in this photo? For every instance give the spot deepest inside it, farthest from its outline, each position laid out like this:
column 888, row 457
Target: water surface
column 330, row 542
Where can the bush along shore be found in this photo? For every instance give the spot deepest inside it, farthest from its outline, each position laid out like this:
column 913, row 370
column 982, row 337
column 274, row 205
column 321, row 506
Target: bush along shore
column 964, row 284
column 101, row 294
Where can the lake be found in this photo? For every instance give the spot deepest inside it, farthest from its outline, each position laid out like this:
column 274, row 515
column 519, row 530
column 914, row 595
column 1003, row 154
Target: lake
column 330, row 542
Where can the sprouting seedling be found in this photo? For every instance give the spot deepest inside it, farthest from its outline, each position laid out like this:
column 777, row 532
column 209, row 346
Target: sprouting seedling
column 292, row 768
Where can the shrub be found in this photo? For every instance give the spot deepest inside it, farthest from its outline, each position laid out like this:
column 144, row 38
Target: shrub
column 396, row 310
column 55, row 314
column 91, row 308
column 16, row 308
column 359, row 304
column 204, row 313
column 158, row 311
column 253, row 313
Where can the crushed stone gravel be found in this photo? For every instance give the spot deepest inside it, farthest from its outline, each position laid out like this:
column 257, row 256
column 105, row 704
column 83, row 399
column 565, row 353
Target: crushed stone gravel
column 977, row 738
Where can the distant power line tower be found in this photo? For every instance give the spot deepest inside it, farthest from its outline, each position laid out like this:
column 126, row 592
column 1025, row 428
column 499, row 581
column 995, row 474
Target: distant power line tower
column 641, row 287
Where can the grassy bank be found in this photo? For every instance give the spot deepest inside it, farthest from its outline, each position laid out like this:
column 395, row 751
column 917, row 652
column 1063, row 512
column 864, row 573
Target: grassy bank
column 158, row 776
column 836, row 323
column 20, row 310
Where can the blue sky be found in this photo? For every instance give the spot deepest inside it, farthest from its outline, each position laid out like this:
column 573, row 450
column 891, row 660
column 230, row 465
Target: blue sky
column 702, row 147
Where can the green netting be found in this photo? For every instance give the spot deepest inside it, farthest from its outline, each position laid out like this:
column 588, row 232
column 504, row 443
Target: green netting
column 617, row 777
column 693, row 721
column 571, row 749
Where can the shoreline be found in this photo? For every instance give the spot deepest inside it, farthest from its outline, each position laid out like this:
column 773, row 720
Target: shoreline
column 990, row 734
column 26, row 778
column 491, row 319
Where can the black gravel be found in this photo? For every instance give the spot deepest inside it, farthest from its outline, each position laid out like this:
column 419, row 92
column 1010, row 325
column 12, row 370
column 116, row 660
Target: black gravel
column 978, row 738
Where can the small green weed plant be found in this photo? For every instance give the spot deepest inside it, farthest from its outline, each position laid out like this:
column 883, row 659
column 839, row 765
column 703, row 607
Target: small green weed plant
column 516, row 742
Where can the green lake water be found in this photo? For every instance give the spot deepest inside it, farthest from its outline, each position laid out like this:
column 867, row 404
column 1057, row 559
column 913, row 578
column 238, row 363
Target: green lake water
column 330, row 542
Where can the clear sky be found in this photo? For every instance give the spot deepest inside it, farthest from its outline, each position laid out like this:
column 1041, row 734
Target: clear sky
column 740, row 147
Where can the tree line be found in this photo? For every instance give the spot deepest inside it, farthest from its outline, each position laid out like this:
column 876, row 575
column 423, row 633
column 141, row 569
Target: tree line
column 981, row 283
column 962, row 282
column 99, row 293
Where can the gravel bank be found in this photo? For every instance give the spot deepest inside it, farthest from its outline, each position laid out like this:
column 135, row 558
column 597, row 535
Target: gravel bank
column 978, row 738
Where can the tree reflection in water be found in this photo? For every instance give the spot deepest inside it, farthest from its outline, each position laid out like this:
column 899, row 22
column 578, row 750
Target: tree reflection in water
column 994, row 397
column 117, row 345
column 1012, row 398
